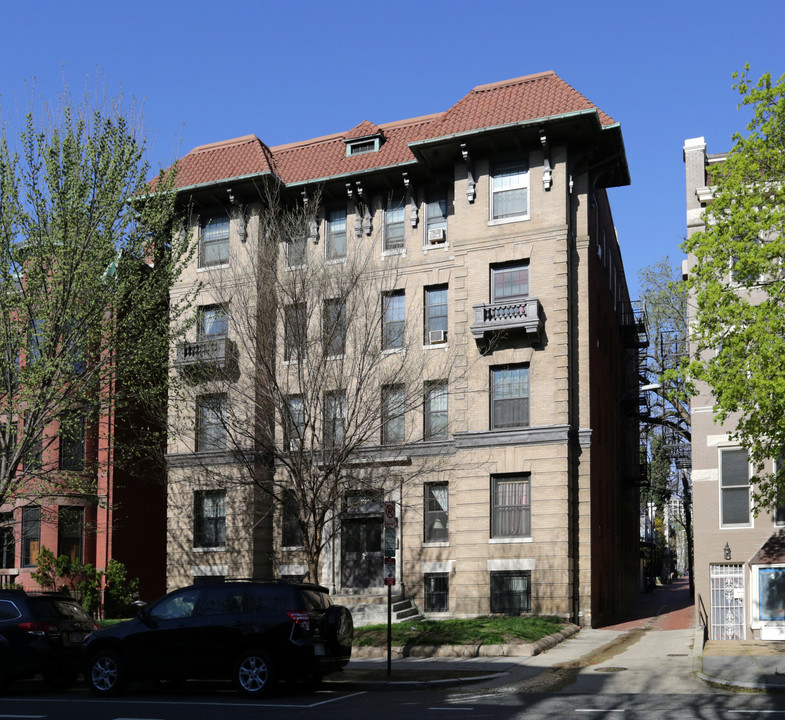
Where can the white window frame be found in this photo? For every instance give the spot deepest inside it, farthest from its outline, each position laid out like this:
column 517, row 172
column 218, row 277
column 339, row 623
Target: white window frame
column 391, row 206
column 202, row 263
column 750, row 523
column 334, row 218
column 519, row 182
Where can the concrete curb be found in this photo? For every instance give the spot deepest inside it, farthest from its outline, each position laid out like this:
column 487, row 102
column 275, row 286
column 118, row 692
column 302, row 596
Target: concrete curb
column 741, row 684
column 469, row 651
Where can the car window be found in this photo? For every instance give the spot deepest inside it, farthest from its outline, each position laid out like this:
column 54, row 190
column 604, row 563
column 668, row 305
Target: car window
column 267, row 598
column 8, row 611
column 53, row 609
column 222, row 601
column 176, row 607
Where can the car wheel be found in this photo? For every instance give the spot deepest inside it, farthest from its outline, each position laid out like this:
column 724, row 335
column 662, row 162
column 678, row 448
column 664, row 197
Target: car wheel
column 106, row 674
column 254, row 675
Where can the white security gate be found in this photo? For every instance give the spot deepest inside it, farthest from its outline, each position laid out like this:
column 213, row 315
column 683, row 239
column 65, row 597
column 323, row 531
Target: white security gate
column 727, row 602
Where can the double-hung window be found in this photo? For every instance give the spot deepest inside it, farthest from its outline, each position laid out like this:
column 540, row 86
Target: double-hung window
column 393, row 419
column 435, row 310
column 213, row 322
column 291, row 530
column 294, row 425
column 297, row 253
column 334, row 327
column 209, row 518
column 511, row 592
column 436, row 526
column 295, row 324
column 436, row 219
column 31, row 535
column 211, row 423
column 511, row 506
column 334, row 418
column 435, row 411
column 7, row 541
column 734, row 488
column 509, row 282
column 214, row 241
column 335, row 235
column 394, row 232
column 70, row 532
column 72, row 441
column 509, row 191
column 393, row 320
column 437, row 592
column 509, row 396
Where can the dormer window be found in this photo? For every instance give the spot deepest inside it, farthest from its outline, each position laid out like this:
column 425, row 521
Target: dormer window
column 362, row 146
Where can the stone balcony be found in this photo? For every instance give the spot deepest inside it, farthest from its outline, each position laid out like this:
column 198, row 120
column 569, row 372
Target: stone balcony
column 509, row 317
column 216, row 353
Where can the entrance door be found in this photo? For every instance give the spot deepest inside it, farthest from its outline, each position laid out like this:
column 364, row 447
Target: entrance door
column 727, row 602
column 362, row 561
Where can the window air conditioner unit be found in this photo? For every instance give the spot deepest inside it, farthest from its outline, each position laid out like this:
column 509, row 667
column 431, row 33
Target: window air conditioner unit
column 437, row 235
column 436, row 337
column 295, row 445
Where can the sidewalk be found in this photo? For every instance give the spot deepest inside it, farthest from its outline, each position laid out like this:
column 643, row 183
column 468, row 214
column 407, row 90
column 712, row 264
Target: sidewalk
column 745, row 664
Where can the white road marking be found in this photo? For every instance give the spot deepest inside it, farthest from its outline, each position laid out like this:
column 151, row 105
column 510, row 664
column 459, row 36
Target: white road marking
column 594, row 710
column 449, row 708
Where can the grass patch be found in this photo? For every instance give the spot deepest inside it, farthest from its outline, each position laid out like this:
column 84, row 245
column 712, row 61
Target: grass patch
column 109, row 623
column 472, row 631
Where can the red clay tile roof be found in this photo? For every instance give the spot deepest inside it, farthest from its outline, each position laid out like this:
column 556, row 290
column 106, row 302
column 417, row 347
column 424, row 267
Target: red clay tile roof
column 246, row 155
column 511, row 101
column 365, row 129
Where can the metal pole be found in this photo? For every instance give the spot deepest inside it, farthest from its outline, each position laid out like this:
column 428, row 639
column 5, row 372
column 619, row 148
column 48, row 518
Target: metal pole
column 389, row 630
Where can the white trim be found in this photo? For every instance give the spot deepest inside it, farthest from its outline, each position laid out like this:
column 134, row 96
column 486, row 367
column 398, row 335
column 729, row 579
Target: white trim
column 502, row 540
column 750, row 514
column 508, row 565
column 428, row 568
column 209, row 570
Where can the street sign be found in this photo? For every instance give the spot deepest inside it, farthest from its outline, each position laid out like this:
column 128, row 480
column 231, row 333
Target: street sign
column 389, row 542
column 389, row 515
column 389, row 571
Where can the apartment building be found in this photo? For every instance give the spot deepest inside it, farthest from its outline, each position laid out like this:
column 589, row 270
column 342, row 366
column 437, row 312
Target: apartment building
column 739, row 556
column 497, row 294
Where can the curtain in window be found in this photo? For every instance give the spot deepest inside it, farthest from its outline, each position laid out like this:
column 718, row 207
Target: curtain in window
column 436, row 512
column 511, row 507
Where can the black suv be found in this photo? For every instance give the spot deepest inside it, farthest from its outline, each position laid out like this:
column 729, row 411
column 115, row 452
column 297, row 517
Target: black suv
column 252, row 632
column 41, row 633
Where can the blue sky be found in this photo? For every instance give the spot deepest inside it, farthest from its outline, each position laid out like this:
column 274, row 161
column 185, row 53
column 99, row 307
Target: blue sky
column 286, row 71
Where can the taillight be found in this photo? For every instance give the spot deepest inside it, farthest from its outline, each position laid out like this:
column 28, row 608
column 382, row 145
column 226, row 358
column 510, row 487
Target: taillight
column 37, row 627
column 301, row 618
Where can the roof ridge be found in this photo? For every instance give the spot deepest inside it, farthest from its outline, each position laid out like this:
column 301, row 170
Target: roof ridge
column 227, row 143
column 514, row 81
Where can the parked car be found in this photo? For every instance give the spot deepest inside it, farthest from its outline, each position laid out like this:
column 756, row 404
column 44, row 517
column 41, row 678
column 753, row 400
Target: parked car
column 251, row 632
column 41, row 633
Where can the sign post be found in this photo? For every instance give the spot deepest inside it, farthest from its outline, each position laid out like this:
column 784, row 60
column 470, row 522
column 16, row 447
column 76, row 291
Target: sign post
column 389, row 571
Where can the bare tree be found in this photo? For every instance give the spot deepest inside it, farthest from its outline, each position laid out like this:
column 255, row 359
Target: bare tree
column 330, row 393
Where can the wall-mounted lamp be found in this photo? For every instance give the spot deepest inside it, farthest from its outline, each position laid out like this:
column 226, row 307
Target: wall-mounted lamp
column 726, row 551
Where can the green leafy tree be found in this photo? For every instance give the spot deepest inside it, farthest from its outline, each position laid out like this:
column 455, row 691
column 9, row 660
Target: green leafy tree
column 738, row 283
column 87, row 257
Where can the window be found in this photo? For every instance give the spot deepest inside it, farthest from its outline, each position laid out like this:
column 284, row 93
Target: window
column 295, row 331
column 779, row 510
column 297, row 253
column 210, row 423
column 36, row 340
column 334, row 327
column 394, row 232
column 209, row 518
column 393, row 419
column 291, row 532
column 72, row 441
column 435, row 309
column 734, row 487
column 436, row 513
column 222, row 601
column 509, row 191
column 31, row 460
column 435, row 411
column 31, row 535
column 70, row 529
column 214, row 241
column 9, row 364
column 213, row 322
column 511, row 592
column 393, row 320
column 335, row 237
column 294, row 427
column 74, row 346
column 360, row 147
column 334, row 416
column 176, row 607
column 437, row 592
column 7, row 542
column 509, row 282
column 509, row 396
column 436, row 219
column 510, row 506
column 771, row 593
